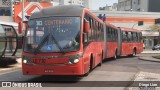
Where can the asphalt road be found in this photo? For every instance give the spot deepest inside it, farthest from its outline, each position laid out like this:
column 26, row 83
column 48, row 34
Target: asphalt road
column 122, row 69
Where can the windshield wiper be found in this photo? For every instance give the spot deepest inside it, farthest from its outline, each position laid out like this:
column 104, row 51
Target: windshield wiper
column 41, row 44
column 60, row 48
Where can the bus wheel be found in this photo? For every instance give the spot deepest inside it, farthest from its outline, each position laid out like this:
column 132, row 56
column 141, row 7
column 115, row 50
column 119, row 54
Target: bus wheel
column 100, row 64
column 134, row 53
column 115, row 56
column 90, row 66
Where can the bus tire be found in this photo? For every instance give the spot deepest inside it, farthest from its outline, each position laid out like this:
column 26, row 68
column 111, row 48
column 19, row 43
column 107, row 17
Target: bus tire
column 115, row 56
column 91, row 63
column 134, row 52
column 100, row 64
column 90, row 66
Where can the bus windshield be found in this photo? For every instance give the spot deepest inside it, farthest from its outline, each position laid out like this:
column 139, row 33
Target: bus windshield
column 53, row 34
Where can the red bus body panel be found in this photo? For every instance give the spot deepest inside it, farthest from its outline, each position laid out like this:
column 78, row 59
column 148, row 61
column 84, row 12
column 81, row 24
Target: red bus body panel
column 111, row 49
column 60, row 69
column 128, row 47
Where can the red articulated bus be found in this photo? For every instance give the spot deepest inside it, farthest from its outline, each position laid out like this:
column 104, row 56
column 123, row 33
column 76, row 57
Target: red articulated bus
column 70, row 40
column 62, row 40
column 130, row 41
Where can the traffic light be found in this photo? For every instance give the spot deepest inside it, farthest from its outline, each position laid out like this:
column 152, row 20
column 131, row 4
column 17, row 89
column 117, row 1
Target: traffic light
column 140, row 23
column 157, row 21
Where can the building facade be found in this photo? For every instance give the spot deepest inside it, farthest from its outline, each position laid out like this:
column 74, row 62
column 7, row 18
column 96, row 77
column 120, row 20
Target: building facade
column 6, row 10
column 109, row 8
column 37, row 0
column 68, row 2
column 139, row 5
column 85, row 3
column 5, row 7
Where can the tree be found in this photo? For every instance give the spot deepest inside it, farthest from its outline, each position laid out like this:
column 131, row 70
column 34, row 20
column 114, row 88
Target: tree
column 156, row 28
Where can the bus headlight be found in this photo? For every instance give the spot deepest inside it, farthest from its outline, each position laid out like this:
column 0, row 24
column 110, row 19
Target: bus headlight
column 73, row 61
column 25, row 61
column 76, row 60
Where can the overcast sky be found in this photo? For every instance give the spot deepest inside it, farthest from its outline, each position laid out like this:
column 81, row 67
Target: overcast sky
column 101, row 3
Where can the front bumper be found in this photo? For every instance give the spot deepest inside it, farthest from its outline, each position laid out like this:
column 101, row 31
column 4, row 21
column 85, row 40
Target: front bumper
column 74, row 69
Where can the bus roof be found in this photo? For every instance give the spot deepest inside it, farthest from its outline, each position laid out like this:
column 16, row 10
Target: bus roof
column 9, row 23
column 63, row 10
column 130, row 29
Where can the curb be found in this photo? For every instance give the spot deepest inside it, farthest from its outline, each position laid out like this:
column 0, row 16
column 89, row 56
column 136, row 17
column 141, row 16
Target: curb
column 150, row 52
column 153, row 60
column 11, row 68
column 4, row 71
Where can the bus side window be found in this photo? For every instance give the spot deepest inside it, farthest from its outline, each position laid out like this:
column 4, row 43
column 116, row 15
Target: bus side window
column 115, row 34
column 140, row 36
column 112, row 34
column 132, row 37
column 102, row 32
column 136, row 37
column 95, row 30
column 124, row 37
column 109, row 34
column 86, row 36
column 90, row 32
column 129, row 37
column 99, row 32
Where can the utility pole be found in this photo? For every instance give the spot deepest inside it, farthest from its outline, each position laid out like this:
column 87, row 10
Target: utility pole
column 22, row 15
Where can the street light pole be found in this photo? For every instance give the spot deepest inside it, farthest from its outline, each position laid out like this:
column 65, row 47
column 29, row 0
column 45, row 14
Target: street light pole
column 134, row 24
column 22, row 14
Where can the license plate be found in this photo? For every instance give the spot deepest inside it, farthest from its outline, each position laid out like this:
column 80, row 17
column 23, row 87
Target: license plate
column 48, row 71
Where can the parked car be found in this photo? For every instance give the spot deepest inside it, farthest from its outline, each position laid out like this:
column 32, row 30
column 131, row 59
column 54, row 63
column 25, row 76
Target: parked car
column 156, row 47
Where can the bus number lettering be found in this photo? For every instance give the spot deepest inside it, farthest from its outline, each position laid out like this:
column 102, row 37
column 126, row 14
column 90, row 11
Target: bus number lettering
column 39, row 61
column 57, row 22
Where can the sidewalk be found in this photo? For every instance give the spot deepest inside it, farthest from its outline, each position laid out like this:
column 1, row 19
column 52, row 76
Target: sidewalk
column 147, row 51
column 12, row 67
column 149, row 58
column 150, row 53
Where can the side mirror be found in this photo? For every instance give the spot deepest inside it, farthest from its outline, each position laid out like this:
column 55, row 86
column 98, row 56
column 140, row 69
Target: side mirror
column 86, row 26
